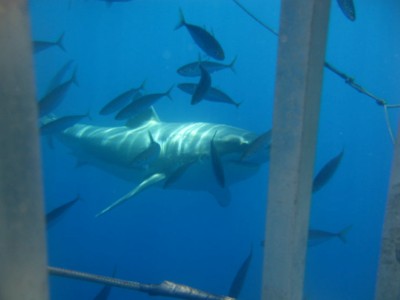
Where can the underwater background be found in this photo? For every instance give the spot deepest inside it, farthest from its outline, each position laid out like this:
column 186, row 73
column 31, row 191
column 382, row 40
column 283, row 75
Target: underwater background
column 185, row 236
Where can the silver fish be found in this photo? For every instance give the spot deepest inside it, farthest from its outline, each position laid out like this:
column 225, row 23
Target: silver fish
column 238, row 281
column 60, row 75
column 213, row 94
column 120, row 101
column 60, row 124
column 141, row 104
column 53, row 215
column 326, row 172
column 202, row 38
column 193, row 69
column 54, row 98
column 317, row 237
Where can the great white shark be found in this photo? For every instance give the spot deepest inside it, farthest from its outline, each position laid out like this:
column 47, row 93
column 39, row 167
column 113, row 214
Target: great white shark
column 182, row 160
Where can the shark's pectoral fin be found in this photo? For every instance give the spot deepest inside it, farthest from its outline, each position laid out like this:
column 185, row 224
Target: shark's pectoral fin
column 153, row 179
column 222, row 195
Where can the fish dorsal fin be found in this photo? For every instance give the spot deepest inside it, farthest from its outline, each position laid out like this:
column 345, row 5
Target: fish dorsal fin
column 148, row 115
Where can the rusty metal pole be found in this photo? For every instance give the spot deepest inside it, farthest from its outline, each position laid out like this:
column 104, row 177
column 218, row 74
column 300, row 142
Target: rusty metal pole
column 23, row 272
column 301, row 54
column 388, row 282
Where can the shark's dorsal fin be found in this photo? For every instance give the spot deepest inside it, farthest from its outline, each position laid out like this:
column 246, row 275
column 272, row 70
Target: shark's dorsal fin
column 148, row 115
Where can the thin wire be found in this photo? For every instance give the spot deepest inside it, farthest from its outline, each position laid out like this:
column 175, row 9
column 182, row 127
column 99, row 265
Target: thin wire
column 255, row 18
column 347, row 79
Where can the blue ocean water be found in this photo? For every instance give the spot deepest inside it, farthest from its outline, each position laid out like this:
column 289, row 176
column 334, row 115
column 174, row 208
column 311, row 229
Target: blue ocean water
column 186, row 236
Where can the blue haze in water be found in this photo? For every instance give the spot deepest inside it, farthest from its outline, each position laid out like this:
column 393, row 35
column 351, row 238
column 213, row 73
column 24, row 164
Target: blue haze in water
column 186, row 236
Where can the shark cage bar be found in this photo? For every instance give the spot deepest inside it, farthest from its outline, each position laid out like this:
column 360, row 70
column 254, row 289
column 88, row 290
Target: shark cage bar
column 301, row 53
column 23, row 273
column 387, row 286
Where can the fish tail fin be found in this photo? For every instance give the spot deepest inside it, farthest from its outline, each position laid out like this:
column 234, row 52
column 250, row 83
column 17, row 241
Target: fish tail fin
column 182, row 21
column 168, row 93
column 232, row 64
column 342, row 235
column 237, row 104
column 60, row 42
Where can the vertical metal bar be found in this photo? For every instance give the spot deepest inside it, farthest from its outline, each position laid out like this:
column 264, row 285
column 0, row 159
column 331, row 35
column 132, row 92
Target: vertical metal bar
column 22, row 240
column 388, row 282
column 302, row 41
